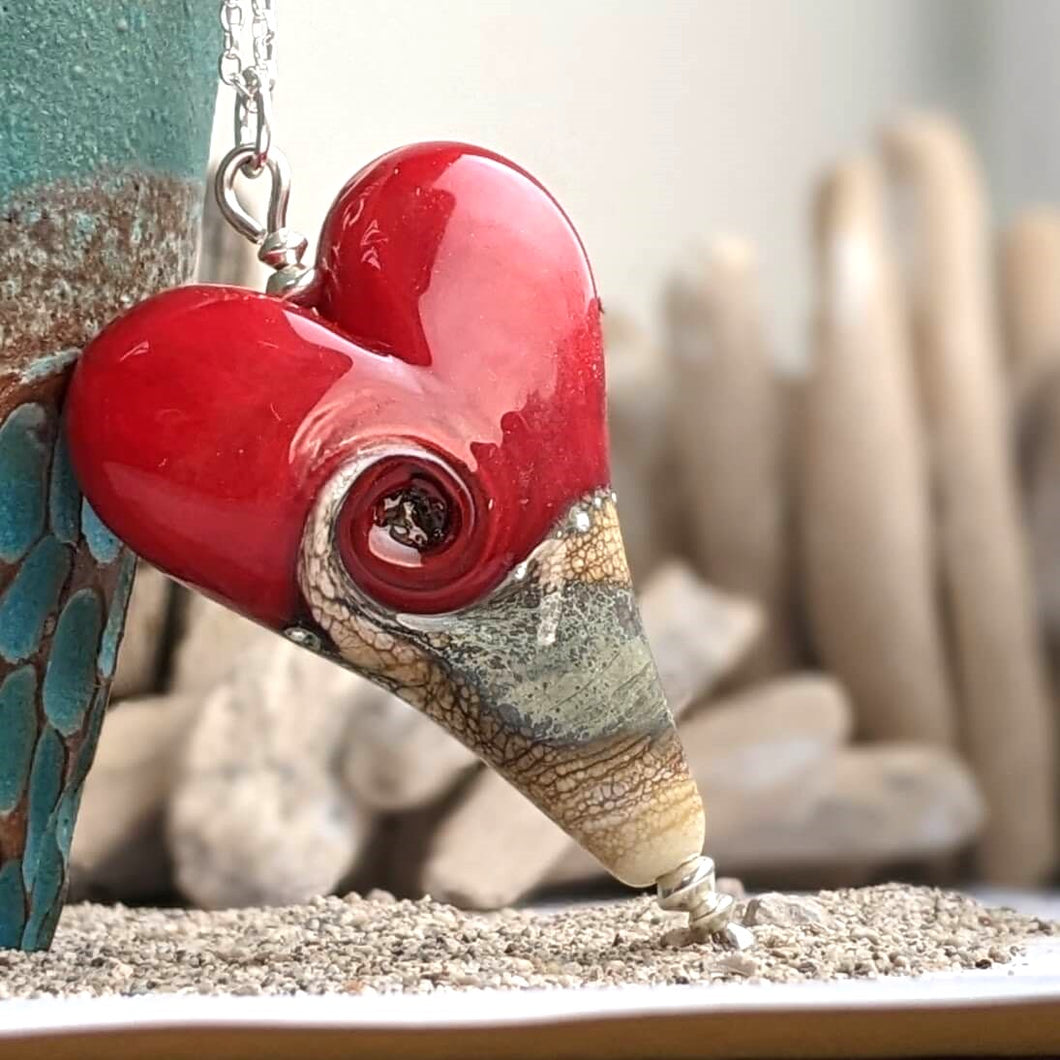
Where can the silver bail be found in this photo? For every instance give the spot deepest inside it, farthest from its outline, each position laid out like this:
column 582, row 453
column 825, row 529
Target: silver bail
column 279, row 247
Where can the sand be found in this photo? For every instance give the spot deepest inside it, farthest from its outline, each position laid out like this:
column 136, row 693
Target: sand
column 360, row 945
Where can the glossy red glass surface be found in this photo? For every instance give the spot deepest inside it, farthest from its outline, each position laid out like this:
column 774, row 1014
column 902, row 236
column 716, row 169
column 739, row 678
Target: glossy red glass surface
column 457, row 315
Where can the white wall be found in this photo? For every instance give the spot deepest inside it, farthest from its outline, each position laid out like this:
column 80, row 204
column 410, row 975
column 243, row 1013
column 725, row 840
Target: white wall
column 1019, row 96
column 655, row 122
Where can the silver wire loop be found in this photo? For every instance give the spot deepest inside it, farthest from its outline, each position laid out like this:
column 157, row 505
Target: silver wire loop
column 253, row 78
column 254, row 111
column 279, row 247
column 235, row 213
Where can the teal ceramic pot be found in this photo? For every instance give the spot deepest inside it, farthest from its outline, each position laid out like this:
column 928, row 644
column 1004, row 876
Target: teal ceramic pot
column 105, row 115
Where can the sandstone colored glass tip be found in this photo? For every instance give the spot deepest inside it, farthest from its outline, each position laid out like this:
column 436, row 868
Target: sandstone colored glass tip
column 410, row 476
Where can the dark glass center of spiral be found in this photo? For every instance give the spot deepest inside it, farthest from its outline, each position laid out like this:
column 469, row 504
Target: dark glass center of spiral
column 415, row 516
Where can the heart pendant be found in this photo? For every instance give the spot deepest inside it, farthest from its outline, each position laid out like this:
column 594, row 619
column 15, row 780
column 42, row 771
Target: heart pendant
column 410, row 475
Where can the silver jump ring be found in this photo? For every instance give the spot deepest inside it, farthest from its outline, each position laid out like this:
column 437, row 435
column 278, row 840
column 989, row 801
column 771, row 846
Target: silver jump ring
column 234, row 211
column 259, row 104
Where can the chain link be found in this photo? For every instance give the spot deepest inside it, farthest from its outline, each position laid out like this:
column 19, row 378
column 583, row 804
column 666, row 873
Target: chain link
column 252, row 75
column 254, row 81
column 246, row 78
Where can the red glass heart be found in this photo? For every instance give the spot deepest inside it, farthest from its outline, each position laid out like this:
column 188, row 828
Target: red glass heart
column 457, row 325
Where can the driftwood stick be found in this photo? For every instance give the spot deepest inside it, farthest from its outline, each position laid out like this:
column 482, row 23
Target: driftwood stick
column 1039, row 446
column 638, row 402
column 1006, row 716
column 212, row 641
column 858, row 809
column 397, row 759
column 1030, row 283
column 729, row 432
column 864, row 521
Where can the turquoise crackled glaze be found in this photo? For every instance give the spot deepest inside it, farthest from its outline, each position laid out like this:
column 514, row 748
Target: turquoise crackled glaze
column 105, row 113
column 105, row 84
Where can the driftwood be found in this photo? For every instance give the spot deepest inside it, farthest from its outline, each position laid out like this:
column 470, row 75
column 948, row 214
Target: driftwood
column 1030, row 273
column 729, row 430
column 397, row 758
column 1039, row 448
column 870, row 807
column 864, row 524
column 1007, row 722
column 642, row 466
column 213, row 638
column 799, row 798
column 1030, row 280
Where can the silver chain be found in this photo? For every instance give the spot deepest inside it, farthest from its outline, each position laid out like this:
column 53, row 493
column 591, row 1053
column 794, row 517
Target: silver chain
column 254, row 81
column 253, row 155
column 245, row 78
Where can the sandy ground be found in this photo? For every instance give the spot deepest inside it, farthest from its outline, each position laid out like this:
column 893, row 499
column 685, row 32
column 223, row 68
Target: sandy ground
column 359, row 945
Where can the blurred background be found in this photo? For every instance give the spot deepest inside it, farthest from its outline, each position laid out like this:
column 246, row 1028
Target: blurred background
column 655, row 124
column 827, row 240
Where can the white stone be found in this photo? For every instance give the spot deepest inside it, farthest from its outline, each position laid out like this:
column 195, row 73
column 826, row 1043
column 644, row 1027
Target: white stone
column 258, row 815
column 212, row 639
column 118, row 844
column 397, row 758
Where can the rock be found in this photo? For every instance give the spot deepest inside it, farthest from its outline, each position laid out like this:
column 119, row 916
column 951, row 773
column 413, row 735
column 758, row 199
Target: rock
column 141, row 653
column 697, row 634
column 642, row 464
column 731, row 886
column 396, row 757
column 766, row 753
column 864, row 520
column 762, row 758
column 257, row 815
column 729, row 433
column 1030, row 278
column 212, row 639
column 378, row 894
column 1006, row 717
column 495, row 845
column 883, row 804
column 118, row 844
column 784, row 910
column 742, row 964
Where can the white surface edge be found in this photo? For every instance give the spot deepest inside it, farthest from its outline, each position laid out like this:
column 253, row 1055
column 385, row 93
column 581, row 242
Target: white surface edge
column 1033, row 978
